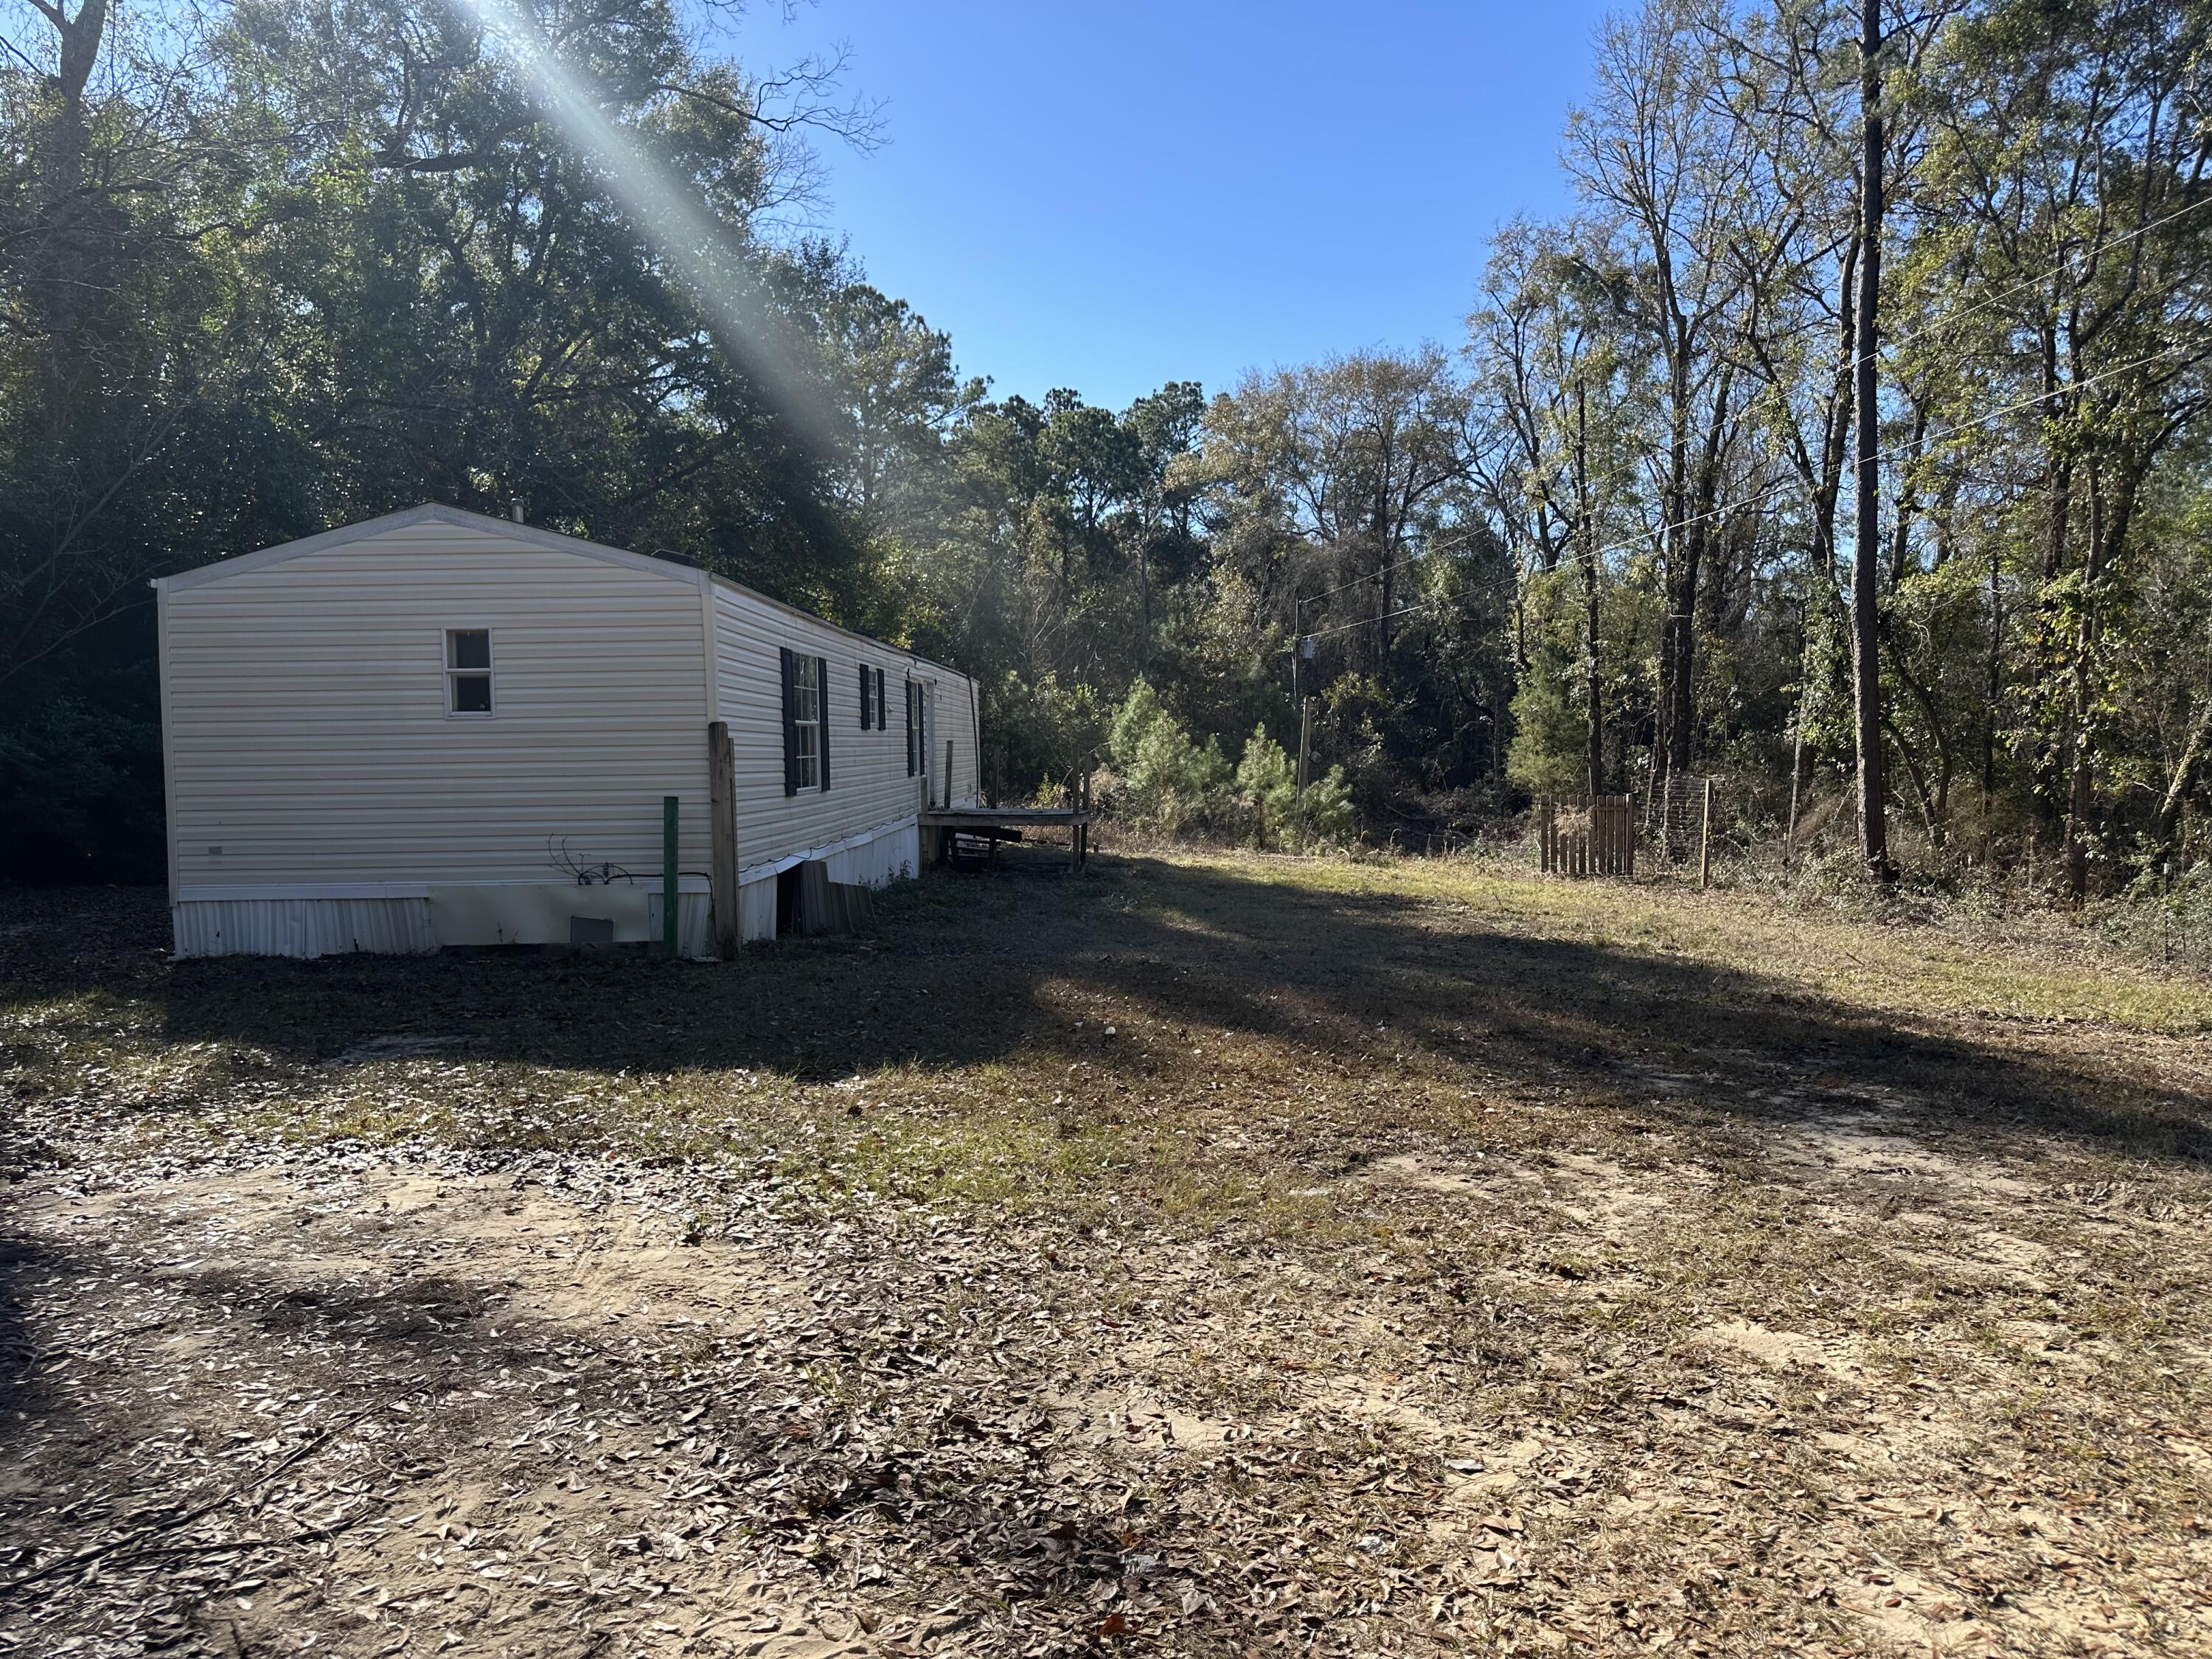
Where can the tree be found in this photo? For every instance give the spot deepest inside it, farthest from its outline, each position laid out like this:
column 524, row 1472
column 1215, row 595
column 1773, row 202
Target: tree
column 1660, row 149
column 1866, row 425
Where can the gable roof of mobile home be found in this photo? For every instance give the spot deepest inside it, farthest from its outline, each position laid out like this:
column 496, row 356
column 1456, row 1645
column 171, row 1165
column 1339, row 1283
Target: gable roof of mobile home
column 461, row 519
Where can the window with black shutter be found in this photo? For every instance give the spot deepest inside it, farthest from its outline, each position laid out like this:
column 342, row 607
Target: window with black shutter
column 867, row 697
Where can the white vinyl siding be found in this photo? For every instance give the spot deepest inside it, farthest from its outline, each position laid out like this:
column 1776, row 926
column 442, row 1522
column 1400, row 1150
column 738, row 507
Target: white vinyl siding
column 310, row 732
column 869, row 788
column 329, row 787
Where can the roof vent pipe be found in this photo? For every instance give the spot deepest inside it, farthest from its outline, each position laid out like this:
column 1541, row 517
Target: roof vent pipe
column 515, row 507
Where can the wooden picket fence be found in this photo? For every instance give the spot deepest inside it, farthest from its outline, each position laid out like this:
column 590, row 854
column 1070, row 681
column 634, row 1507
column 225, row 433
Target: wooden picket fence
column 1587, row 835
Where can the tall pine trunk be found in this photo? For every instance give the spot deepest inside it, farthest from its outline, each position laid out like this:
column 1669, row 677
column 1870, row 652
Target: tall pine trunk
column 1866, row 555
column 1596, row 711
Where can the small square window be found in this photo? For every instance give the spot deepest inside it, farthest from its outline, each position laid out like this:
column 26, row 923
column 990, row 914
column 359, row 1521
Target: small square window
column 468, row 671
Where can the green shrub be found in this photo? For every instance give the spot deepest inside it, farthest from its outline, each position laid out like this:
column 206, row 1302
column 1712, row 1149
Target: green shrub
column 1169, row 783
column 1275, row 817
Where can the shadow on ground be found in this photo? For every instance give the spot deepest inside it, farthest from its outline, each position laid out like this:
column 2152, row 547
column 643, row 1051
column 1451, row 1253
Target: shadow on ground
column 970, row 969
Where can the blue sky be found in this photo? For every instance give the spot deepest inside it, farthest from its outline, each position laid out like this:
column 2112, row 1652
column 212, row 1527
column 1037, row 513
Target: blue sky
column 1108, row 196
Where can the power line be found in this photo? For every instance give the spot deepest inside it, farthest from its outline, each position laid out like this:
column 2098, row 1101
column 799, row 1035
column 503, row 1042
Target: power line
column 1752, row 500
column 2027, row 282
column 1376, row 575
column 1903, row 340
column 1982, row 304
column 1371, row 622
column 1882, row 454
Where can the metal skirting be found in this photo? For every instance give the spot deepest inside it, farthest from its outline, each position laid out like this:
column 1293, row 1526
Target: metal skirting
column 521, row 914
column 890, row 856
column 695, row 916
column 756, row 910
column 303, row 927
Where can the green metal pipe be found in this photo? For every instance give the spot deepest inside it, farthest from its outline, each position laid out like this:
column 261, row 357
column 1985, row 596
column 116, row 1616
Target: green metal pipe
column 668, row 896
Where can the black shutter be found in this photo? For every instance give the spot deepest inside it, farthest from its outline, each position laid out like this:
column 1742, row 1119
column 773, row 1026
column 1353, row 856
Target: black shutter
column 909, row 728
column 865, row 687
column 883, row 712
column 790, row 722
column 822, row 718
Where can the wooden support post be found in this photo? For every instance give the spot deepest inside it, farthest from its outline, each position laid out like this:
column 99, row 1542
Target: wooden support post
column 722, row 816
column 1705, row 839
column 670, row 903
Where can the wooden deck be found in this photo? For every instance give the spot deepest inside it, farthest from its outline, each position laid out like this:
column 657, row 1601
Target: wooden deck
column 981, row 821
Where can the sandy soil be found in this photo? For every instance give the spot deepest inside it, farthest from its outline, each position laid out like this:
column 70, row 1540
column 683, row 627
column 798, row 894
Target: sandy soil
column 1741, row 1351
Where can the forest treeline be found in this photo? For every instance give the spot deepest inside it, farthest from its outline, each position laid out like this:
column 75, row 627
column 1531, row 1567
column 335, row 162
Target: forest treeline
column 1842, row 444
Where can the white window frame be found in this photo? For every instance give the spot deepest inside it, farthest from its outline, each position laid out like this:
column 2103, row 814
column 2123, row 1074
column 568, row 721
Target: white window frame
column 806, row 729
column 489, row 673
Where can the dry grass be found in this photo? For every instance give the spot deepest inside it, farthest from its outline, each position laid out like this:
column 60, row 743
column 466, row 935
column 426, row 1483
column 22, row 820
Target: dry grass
column 1208, row 1255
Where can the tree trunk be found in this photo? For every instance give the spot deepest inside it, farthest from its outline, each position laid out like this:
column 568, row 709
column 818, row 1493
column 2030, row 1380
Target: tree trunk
column 65, row 278
column 1681, row 657
column 2043, row 797
column 1670, row 719
column 1797, row 734
column 1992, row 690
column 2109, row 524
column 1382, row 575
column 1596, row 712
column 2185, row 772
column 1866, row 554
column 2081, row 783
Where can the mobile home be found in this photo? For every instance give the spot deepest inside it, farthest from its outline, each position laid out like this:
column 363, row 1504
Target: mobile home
column 438, row 728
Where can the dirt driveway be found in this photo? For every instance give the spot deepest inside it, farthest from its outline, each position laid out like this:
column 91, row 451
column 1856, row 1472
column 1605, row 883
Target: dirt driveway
column 1208, row 1256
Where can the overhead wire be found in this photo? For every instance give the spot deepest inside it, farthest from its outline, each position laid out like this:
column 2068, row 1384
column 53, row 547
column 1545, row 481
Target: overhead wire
column 1903, row 340
column 1918, row 441
column 1724, row 508
column 1945, row 323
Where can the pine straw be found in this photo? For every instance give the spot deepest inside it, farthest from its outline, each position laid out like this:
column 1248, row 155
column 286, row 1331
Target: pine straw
column 1207, row 1254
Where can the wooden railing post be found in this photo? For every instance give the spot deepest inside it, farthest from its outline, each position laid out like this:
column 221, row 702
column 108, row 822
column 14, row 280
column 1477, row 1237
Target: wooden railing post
column 722, row 816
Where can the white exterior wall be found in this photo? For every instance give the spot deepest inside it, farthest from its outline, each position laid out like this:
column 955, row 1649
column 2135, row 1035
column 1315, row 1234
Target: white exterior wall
column 307, row 736
column 310, row 759
column 864, row 823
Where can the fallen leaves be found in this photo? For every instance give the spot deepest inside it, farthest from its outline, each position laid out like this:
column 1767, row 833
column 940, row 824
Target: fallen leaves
column 1305, row 1343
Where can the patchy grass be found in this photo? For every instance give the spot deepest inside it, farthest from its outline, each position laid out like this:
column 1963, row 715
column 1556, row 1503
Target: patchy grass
column 1208, row 1253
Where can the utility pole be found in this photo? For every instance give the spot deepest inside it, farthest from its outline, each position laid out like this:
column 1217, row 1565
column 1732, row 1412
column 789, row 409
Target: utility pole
column 1866, row 634
column 1300, row 653
column 1305, row 744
